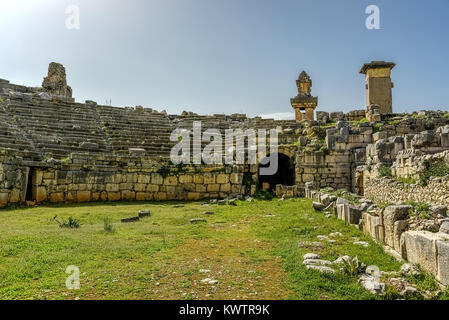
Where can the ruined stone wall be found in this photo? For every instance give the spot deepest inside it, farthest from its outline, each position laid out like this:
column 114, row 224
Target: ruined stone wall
column 84, row 178
column 386, row 190
column 13, row 179
column 325, row 170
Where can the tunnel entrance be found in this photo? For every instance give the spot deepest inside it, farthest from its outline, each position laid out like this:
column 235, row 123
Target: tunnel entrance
column 30, row 194
column 285, row 174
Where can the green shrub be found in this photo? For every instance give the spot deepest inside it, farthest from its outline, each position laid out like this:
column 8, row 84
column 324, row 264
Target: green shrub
column 107, row 225
column 420, row 209
column 407, row 180
column 71, row 223
column 436, row 169
column 384, row 171
column 247, row 179
column 353, row 267
column 263, row 195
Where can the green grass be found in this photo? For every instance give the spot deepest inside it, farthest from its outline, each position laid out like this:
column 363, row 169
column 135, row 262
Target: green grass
column 251, row 249
column 406, row 180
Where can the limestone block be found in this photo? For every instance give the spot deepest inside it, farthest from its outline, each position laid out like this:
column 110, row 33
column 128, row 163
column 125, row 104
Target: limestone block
column 156, row 178
column 152, row 188
column 185, row 179
column 222, row 178
column 112, row 187
column 237, row 189
column 4, row 199
column 209, row 178
column 171, row 181
column 126, row 186
column 443, row 261
column 341, row 210
column 143, row 178
column 200, row 188
column 399, row 227
column 390, row 215
column 94, row 197
column 128, row 195
column 421, row 247
column 213, row 188
column 48, row 175
column 189, row 187
column 225, row 187
column 57, row 197
column 41, row 194
column 83, row 196
column 39, row 177
column 193, row 196
column 113, row 196
column 104, row 196
column 354, row 215
column 140, row 187
column 144, row 196
column 198, row 179
column 372, row 225
column 160, row 196
column 14, row 196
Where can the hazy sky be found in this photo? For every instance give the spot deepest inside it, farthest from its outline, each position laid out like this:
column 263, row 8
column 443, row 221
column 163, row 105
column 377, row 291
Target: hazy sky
column 228, row 56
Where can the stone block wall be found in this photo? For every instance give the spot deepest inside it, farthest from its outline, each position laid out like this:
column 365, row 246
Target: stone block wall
column 387, row 190
column 84, row 178
column 325, row 170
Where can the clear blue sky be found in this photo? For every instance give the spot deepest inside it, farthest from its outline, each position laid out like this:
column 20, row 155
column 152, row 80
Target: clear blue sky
column 227, row 56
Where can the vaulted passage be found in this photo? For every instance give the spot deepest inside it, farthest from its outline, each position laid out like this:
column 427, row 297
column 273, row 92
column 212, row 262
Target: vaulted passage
column 31, row 185
column 285, row 174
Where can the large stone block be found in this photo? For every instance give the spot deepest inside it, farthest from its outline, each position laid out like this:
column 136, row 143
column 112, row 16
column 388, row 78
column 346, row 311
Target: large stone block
column 113, row 196
column 83, row 196
column 443, row 261
column 185, row 178
column 390, row 215
column 222, row 178
column 399, row 227
column 57, row 197
column 372, row 225
column 421, row 249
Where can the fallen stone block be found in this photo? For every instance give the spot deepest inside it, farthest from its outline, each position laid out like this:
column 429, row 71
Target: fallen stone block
column 197, row 220
column 322, row 269
column 309, row 256
column 318, row 206
column 371, row 284
column 144, row 213
column 132, row 219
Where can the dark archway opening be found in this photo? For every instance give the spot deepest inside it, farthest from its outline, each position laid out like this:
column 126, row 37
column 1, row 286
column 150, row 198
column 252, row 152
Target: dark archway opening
column 30, row 194
column 285, row 174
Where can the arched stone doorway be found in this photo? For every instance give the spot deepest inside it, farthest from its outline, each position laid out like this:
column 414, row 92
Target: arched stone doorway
column 285, row 174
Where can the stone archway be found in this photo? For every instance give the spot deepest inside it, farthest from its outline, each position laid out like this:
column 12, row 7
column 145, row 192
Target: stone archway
column 285, row 174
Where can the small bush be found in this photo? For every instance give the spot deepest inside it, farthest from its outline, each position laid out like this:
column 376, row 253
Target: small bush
column 384, row 171
column 263, row 195
column 353, row 267
column 407, row 180
column 71, row 223
column 436, row 169
column 107, row 225
column 420, row 209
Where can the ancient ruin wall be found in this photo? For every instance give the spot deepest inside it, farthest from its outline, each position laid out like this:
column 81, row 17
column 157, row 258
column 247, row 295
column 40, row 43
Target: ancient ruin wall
column 387, row 190
column 107, row 178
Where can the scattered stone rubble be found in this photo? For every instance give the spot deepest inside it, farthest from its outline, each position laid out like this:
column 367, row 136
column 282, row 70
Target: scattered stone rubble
column 397, row 226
